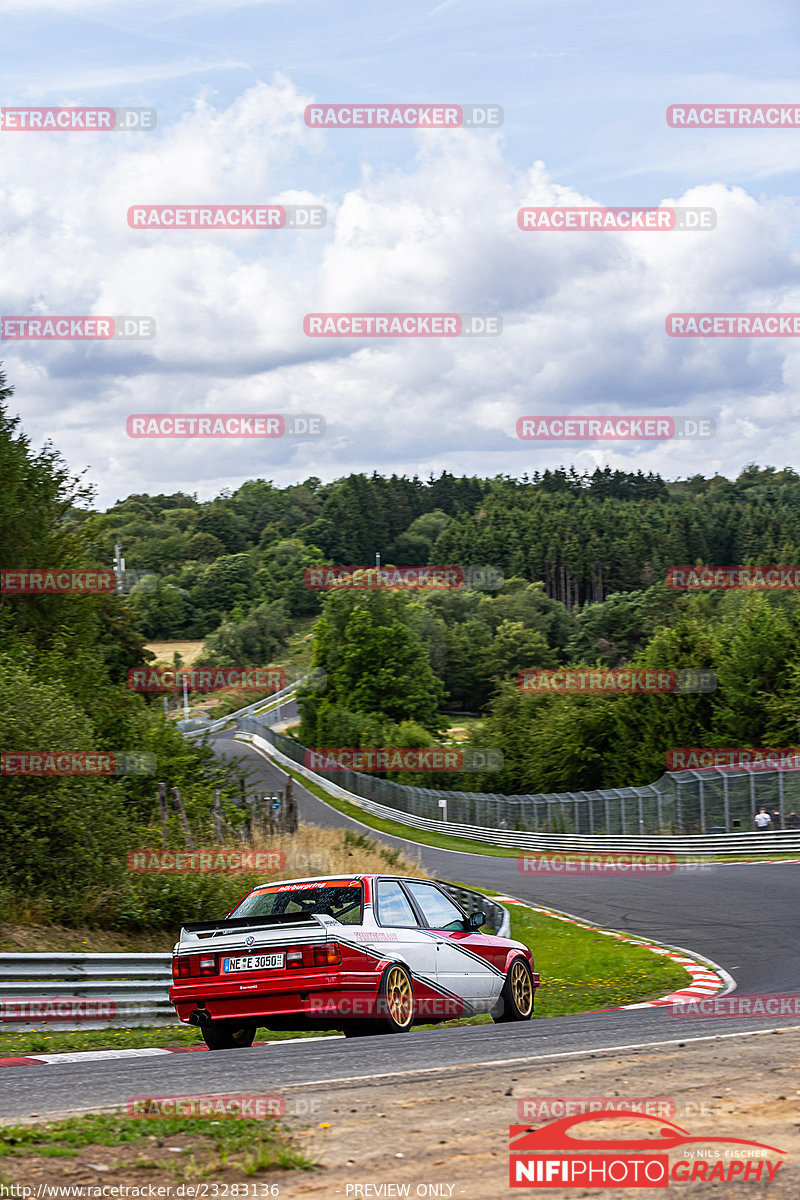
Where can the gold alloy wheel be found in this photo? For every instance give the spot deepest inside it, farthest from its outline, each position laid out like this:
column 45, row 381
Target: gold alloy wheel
column 399, row 996
column 521, row 988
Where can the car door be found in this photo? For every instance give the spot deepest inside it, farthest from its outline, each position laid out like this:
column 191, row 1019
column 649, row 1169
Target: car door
column 395, row 915
column 460, row 966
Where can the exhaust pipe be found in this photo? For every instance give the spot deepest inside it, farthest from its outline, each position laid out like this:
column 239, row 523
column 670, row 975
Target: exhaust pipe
column 200, row 1016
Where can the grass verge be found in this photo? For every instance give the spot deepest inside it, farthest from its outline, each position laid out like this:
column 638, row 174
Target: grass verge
column 582, row 969
column 39, row 1041
column 133, row 1149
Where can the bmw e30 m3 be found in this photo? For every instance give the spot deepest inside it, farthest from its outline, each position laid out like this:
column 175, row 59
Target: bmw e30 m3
column 365, row 954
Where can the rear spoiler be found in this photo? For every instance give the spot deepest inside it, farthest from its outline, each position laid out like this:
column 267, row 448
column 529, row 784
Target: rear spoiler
column 231, row 923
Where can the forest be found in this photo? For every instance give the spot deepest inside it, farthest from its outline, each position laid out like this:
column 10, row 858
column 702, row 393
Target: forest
column 575, row 567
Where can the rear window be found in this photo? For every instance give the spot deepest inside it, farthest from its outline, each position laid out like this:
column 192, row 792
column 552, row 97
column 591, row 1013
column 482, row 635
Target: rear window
column 340, row 899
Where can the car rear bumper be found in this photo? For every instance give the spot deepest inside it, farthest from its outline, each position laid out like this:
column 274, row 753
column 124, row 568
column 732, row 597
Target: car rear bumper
column 323, row 997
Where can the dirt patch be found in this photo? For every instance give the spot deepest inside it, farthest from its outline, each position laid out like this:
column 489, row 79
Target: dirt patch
column 453, row 1131
column 164, row 651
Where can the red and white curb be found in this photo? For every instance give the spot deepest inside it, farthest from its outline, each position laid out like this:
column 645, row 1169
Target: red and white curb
column 708, row 979
column 82, row 1056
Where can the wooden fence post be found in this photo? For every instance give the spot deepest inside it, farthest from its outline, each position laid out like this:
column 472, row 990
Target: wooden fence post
column 218, row 817
column 187, row 833
column 163, row 812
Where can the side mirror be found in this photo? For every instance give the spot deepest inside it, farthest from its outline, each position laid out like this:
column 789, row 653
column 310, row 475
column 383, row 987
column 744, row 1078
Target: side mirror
column 476, row 919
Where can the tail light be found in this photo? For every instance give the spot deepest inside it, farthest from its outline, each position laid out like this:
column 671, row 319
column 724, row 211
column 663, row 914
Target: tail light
column 190, row 966
column 327, row 955
column 313, row 956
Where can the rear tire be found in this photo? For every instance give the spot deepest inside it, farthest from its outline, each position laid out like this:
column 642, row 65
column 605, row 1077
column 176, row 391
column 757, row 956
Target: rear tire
column 395, row 1001
column 516, row 998
column 227, row 1035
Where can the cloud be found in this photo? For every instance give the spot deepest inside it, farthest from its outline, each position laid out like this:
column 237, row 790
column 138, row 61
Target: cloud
column 583, row 313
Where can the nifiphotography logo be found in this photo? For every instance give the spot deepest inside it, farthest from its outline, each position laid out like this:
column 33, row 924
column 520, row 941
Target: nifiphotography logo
column 553, row 1157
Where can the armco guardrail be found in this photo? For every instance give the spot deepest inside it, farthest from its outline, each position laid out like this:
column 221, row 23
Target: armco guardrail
column 498, row 920
column 250, row 710
column 124, row 991
column 786, row 841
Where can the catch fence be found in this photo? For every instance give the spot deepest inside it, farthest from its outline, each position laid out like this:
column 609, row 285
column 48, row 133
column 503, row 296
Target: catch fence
column 713, row 801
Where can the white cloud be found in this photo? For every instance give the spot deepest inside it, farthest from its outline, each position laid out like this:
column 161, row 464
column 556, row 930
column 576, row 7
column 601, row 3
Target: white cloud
column 584, row 313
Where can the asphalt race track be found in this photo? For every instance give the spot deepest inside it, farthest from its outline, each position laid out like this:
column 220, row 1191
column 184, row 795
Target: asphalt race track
column 743, row 917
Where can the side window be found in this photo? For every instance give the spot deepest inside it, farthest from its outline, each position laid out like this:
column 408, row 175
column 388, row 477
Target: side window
column 438, row 910
column 393, row 906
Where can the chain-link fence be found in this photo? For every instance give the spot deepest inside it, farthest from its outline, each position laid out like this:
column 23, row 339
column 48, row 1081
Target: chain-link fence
column 685, row 802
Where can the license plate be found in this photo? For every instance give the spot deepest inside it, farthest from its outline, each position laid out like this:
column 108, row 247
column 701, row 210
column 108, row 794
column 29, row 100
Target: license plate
column 253, row 962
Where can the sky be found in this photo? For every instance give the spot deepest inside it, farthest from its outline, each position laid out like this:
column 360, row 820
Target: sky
column 418, row 221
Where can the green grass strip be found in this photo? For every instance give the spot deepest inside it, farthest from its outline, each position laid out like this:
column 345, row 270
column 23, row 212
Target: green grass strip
column 252, row 1145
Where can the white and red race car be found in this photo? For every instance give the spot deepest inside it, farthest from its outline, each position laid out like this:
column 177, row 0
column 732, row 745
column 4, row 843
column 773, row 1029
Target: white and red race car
column 361, row 953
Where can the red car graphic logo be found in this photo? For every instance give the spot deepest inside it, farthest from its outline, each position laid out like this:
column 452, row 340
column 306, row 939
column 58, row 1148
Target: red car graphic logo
column 556, row 1136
